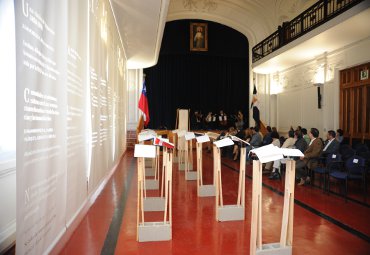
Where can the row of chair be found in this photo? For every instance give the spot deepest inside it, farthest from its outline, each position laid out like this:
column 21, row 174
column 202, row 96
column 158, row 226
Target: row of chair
column 344, row 168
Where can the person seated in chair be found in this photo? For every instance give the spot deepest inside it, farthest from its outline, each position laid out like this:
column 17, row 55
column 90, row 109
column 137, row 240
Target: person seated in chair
column 275, row 142
column 255, row 141
column 331, row 145
column 222, row 120
column 288, row 143
column 312, row 153
column 339, row 136
column 267, row 138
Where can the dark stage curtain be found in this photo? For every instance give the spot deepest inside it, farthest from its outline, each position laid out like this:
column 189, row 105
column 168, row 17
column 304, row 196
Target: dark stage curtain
column 205, row 81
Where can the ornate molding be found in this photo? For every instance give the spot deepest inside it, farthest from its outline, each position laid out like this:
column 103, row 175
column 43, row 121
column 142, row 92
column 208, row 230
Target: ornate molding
column 200, row 5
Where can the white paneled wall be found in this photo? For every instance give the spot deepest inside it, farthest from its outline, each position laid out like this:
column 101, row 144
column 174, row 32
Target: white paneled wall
column 296, row 102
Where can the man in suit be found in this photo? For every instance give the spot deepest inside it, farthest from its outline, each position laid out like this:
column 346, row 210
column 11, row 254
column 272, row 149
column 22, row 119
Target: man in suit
column 310, row 157
column 331, row 145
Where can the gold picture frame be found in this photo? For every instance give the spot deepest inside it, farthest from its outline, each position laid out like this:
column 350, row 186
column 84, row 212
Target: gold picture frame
column 198, row 36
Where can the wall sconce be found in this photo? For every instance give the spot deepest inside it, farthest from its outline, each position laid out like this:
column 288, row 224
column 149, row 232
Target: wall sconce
column 319, row 77
column 276, row 86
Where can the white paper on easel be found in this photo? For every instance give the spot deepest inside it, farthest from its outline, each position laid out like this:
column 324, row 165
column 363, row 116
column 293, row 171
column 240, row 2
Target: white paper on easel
column 189, row 136
column 144, row 151
column 224, row 142
column 202, row 139
column 237, row 139
column 175, row 131
column 148, row 131
column 181, row 133
column 145, row 136
column 268, row 153
column 291, row 152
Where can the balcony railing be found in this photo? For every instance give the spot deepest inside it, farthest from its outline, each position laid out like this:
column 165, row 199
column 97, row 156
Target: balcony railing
column 316, row 15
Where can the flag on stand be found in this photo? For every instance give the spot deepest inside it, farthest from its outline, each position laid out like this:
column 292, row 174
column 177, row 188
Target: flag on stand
column 143, row 105
column 161, row 142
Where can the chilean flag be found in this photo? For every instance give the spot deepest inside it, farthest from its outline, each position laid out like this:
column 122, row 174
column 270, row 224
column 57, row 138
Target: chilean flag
column 143, row 105
column 161, row 142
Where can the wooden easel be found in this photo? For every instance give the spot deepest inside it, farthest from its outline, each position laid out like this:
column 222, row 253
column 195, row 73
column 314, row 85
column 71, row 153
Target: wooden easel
column 155, row 231
column 286, row 235
column 229, row 212
column 189, row 174
column 208, row 190
column 152, row 171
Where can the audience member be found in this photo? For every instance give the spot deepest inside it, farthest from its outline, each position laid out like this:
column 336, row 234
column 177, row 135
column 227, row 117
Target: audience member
column 267, row 138
column 331, row 145
column 245, row 135
column 305, row 136
column 300, row 142
column 339, row 135
column 255, row 141
column 276, row 142
column 289, row 143
column 308, row 160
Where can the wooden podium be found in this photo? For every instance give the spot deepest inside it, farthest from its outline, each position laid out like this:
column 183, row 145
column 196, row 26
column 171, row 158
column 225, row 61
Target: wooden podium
column 229, row 212
column 182, row 125
column 202, row 189
column 162, row 230
column 284, row 247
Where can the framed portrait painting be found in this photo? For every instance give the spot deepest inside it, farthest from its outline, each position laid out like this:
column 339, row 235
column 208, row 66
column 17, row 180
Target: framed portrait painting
column 198, row 37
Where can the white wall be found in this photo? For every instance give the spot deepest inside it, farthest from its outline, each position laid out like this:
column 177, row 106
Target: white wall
column 7, row 130
column 296, row 104
column 135, row 81
column 117, row 139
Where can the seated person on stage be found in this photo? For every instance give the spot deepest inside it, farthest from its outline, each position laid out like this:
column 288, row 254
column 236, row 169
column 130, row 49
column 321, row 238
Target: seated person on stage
column 256, row 140
column 276, row 142
column 208, row 120
column 331, row 145
column 193, row 121
column 239, row 120
column 312, row 153
column 288, row 143
column 222, row 120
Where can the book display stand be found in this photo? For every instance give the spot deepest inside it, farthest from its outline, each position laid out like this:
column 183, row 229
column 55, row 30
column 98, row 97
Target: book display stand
column 284, row 247
column 189, row 174
column 160, row 230
column 203, row 190
column 235, row 211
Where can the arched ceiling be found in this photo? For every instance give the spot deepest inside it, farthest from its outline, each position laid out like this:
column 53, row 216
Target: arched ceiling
column 141, row 24
column 256, row 19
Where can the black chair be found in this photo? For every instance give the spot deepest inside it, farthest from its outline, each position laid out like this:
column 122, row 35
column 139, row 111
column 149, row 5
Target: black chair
column 354, row 170
column 332, row 162
column 343, row 148
column 348, row 153
column 360, row 148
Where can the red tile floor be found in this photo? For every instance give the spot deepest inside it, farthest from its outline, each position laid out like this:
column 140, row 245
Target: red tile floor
column 323, row 224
